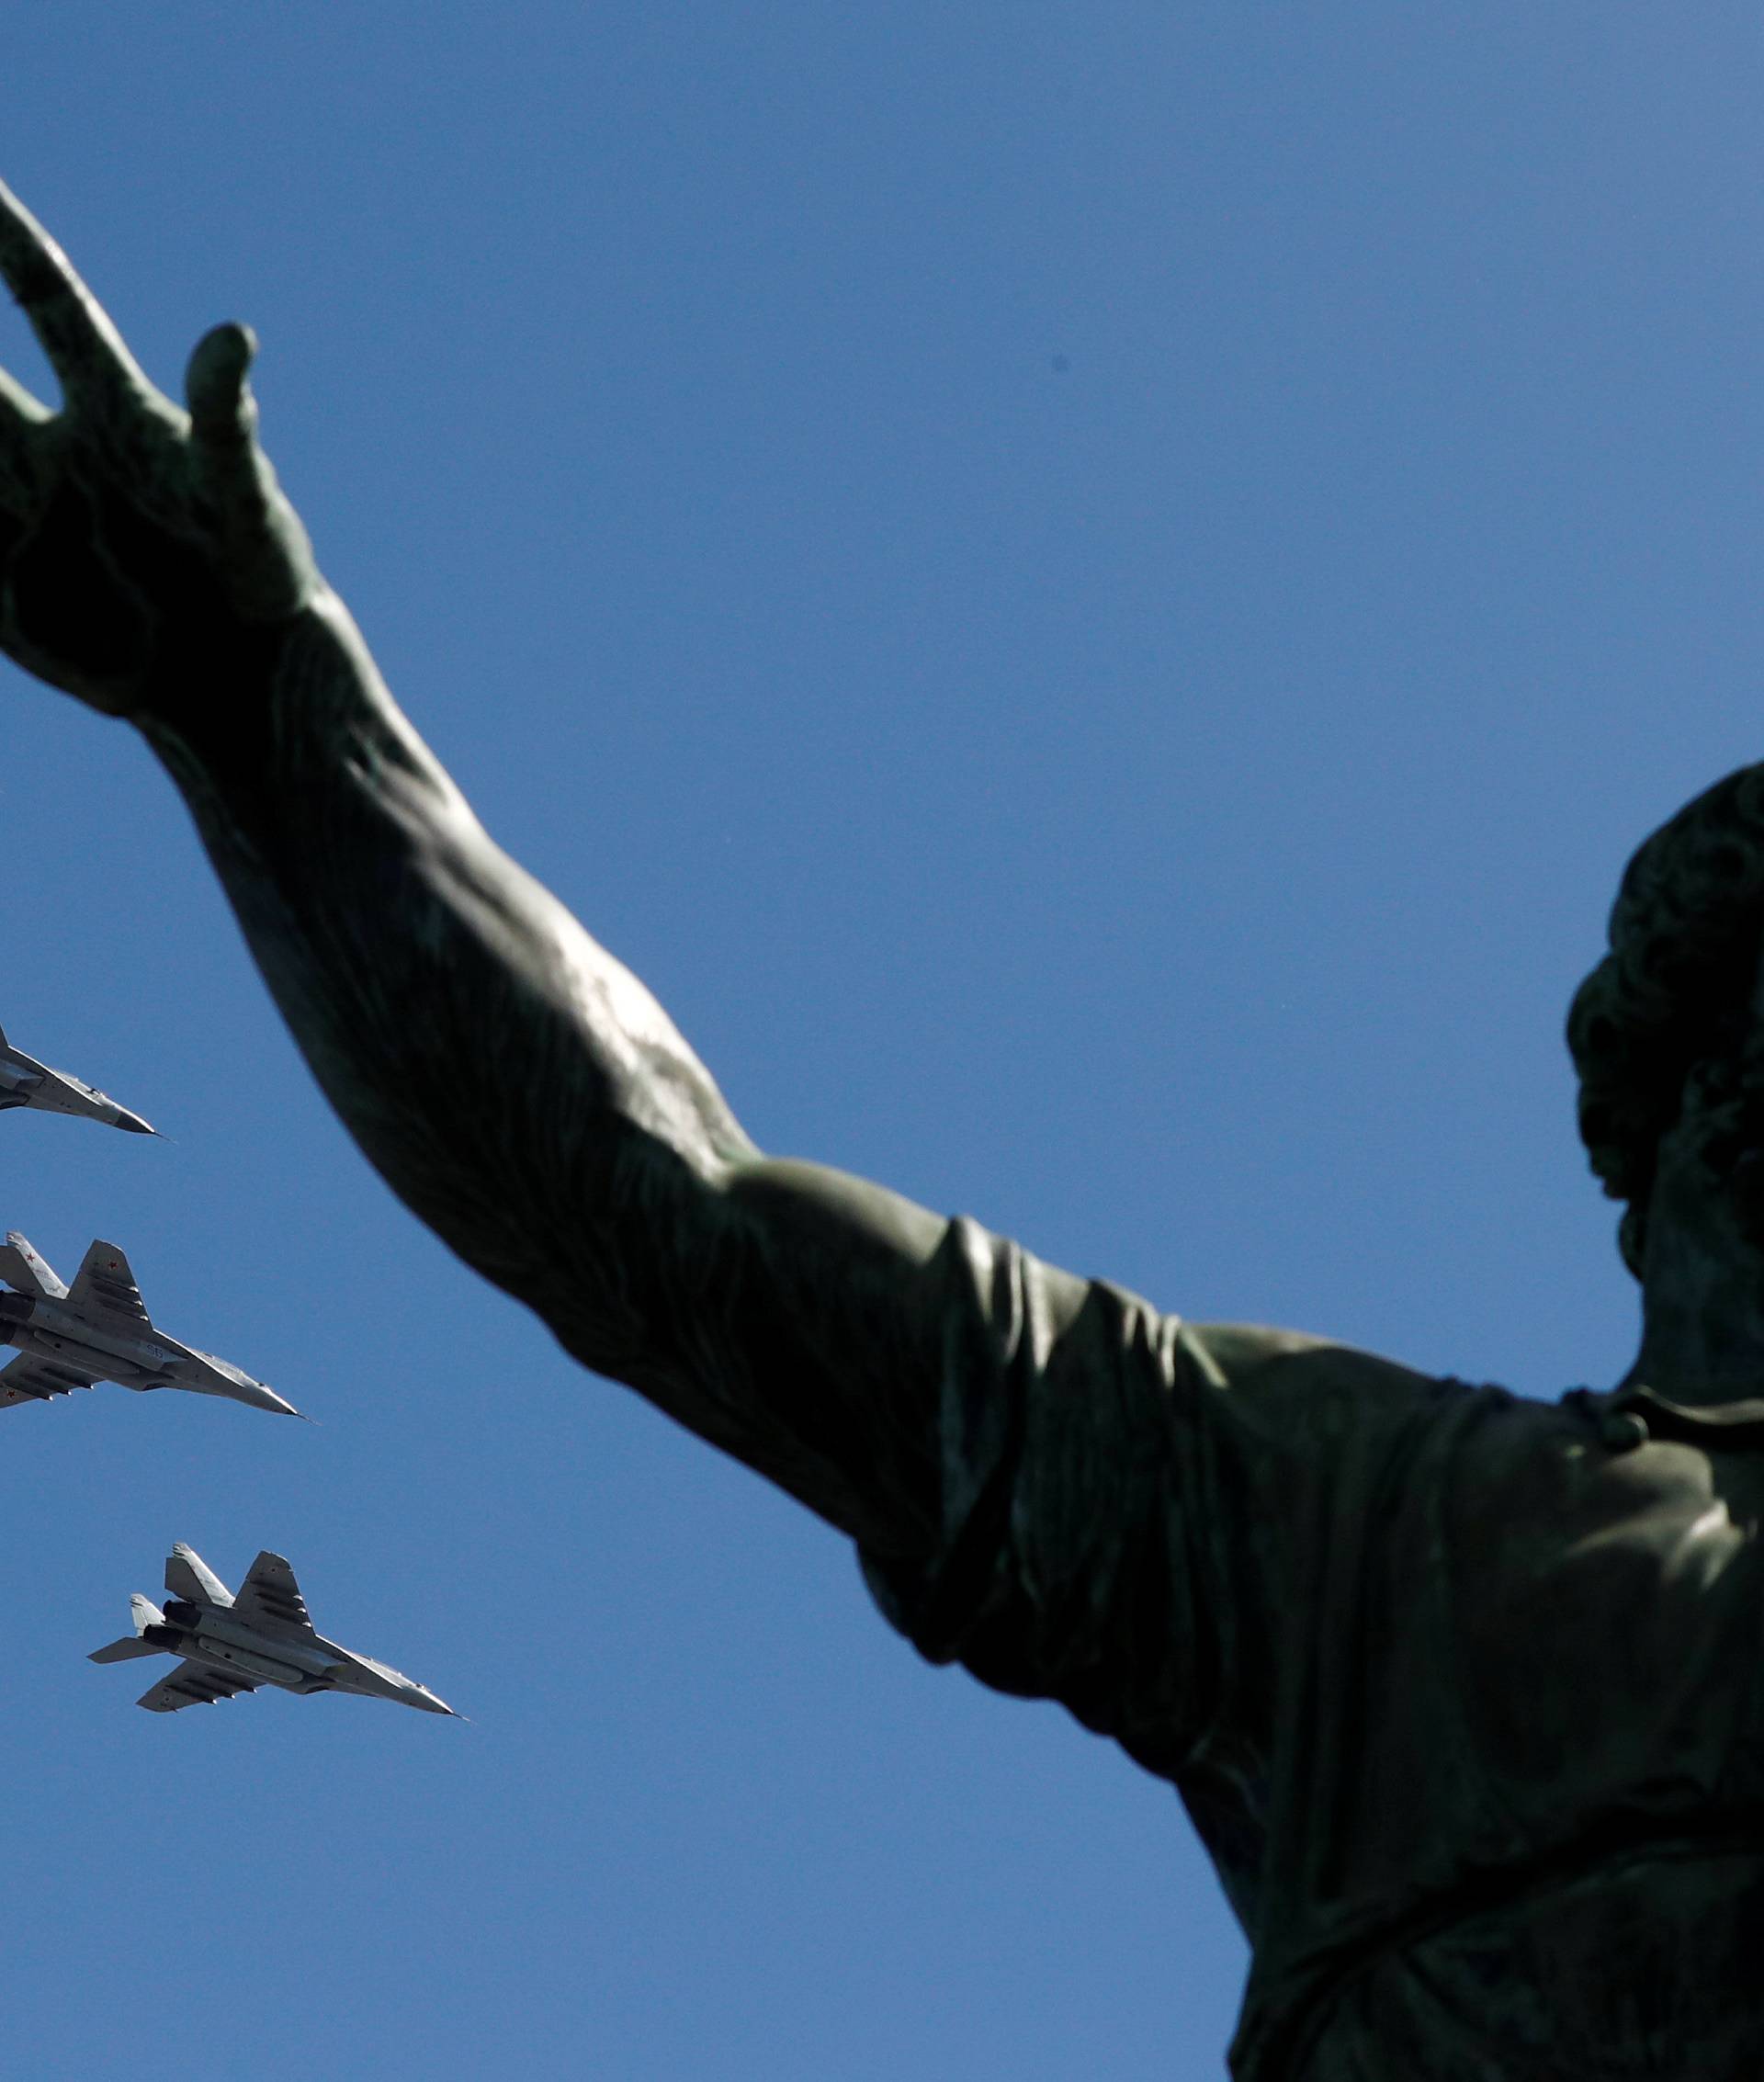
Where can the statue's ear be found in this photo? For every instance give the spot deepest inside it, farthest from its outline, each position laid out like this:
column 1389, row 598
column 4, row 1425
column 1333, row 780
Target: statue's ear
column 1703, row 1217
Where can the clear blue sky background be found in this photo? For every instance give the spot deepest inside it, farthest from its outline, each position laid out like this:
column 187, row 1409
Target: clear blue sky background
column 1095, row 595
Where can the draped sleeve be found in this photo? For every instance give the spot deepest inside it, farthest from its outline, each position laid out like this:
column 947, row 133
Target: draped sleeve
column 1077, row 1555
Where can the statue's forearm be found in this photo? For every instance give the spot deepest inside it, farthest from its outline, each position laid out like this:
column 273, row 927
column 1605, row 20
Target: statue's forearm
column 496, row 1066
column 528, row 1099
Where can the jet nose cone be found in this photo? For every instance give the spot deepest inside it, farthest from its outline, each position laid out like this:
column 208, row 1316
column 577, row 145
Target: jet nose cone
column 133, row 1122
column 420, row 1695
column 261, row 1397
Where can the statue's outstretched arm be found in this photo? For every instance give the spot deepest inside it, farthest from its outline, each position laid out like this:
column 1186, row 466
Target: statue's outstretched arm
column 517, row 1087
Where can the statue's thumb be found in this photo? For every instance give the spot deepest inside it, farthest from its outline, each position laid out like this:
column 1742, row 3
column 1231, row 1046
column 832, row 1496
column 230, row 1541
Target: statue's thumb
column 222, row 408
column 267, row 562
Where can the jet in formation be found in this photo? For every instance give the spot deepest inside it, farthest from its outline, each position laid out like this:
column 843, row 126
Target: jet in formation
column 24, row 1081
column 264, row 1635
column 97, row 1330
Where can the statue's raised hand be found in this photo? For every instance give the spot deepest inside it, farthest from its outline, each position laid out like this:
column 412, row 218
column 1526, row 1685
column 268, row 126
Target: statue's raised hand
column 138, row 541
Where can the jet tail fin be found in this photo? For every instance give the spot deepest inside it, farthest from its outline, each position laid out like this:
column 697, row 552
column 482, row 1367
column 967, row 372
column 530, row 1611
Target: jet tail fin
column 17, row 1056
column 22, row 1267
column 188, row 1576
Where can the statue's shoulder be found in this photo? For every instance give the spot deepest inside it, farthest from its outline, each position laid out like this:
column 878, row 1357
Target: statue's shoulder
column 1242, row 1355
column 1292, row 1377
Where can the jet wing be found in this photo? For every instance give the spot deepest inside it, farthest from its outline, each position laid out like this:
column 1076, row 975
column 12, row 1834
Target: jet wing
column 270, row 1598
column 32, row 1378
column 104, row 1289
column 192, row 1684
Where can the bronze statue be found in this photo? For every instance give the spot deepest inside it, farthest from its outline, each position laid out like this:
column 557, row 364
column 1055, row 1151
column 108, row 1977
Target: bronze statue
column 1462, row 1691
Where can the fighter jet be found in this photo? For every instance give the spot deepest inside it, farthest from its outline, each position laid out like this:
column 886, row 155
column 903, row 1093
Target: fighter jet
column 264, row 1635
column 24, row 1081
column 97, row 1330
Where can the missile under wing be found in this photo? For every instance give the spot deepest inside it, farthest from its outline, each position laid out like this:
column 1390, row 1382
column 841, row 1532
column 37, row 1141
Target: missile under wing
column 230, row 1645
column 24, row 1081
column 98, row 1330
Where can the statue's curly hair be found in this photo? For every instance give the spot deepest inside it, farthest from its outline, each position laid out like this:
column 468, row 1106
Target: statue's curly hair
column 1663, row 1028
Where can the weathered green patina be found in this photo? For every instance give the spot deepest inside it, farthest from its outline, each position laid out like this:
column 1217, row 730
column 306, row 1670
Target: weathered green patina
column 1464, row 1692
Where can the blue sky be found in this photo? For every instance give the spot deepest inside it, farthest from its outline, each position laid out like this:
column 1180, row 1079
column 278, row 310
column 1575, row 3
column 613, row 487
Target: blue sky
column 1095, row 597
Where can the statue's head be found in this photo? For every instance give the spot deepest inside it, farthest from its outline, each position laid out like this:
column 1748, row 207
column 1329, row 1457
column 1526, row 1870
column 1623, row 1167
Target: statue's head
column 1667, row 1031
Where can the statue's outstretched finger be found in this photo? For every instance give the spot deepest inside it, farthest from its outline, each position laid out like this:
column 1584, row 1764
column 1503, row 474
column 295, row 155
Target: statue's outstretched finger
column 18, row 407
column 84, row 347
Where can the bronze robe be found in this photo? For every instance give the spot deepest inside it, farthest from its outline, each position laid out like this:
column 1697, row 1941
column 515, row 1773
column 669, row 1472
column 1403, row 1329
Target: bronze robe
column 1462, row 1691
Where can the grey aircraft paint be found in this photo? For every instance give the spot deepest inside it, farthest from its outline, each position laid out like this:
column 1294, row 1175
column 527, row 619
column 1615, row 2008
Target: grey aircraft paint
column 24, row 1081
column 230, row 1645
column 97, row 1330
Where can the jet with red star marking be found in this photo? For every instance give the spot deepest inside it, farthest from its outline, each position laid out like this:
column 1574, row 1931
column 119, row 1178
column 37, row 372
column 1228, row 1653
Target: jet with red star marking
column 97, row 1330
column 264, row 1635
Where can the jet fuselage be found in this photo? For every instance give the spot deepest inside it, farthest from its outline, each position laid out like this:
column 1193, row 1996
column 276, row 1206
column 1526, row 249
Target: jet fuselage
column 51, row 1328
column 148, row 1359
column 24, row 1081
column 209, row 1634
